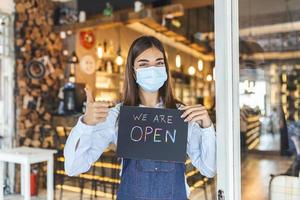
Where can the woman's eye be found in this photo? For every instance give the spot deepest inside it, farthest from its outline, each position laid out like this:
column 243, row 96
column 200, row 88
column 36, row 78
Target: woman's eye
column 160, row 63
column 143, row 65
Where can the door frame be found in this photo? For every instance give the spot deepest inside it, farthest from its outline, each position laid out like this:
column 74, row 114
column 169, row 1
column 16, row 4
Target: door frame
column 227, row 99
column 7, row 100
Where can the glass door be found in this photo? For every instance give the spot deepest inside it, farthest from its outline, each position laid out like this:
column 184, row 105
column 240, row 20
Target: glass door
column 227, row 101
column 7, row 116
column 257, row 98
column 269, row 97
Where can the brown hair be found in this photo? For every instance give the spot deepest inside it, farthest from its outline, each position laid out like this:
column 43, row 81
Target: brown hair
column 131, row 89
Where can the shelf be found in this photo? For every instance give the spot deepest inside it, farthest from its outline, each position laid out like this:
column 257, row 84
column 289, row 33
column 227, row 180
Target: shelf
column 253, row 119
column 108, row 74
column 252, row 131
column 147, row 21
column 107, row 89
column 253, row 144
column 273, row 55
column 253, row 125
column 251, row 136
column 121, row 17
column 186, row 46
column 107, row 58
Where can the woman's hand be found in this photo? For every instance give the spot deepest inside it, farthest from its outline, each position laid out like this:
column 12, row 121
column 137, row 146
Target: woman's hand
column 96, row 112
column 196, row 113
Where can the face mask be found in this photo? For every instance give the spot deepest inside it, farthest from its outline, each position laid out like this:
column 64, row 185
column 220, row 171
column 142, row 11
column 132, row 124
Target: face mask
column 151, row 78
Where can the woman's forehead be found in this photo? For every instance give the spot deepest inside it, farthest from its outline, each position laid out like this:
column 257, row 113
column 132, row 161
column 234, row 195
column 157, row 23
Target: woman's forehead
column 150, row 54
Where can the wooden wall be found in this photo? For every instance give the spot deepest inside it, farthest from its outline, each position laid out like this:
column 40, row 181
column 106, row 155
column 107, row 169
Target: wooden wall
column 34, row 39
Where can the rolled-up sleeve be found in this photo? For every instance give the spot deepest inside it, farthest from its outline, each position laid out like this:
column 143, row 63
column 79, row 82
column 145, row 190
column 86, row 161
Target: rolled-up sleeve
column 201, row 148
column 86, row 143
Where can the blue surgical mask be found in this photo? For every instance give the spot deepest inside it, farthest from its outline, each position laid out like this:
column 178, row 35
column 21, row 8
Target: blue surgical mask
column 151, row 78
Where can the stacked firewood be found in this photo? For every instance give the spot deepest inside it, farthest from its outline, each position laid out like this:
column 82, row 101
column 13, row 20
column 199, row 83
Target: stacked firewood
column 36, row 98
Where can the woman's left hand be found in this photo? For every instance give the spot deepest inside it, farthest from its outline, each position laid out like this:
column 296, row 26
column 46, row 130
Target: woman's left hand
column 196, row 113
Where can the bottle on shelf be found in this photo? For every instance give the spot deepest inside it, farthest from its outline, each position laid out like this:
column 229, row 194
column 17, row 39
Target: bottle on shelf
column 109, row 67
column 69, row 86
column 110, row 49
column 99, row 82
column 105, row 49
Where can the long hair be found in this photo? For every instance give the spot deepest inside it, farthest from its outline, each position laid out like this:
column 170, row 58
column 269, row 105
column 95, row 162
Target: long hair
column 131, row 89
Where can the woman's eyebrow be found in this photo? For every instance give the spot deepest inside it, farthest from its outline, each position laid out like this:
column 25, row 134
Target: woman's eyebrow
column 159, row 59
column 143, row 60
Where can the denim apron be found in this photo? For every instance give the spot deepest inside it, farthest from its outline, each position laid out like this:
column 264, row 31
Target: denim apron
column 152, row 180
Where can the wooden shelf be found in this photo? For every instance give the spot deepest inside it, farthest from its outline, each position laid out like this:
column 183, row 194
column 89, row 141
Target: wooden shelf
column 108, row 74
column 107, row 89
column 253, row 119
column 121, row 18
column 149, row 18
column 152, row 27
column 284, row 55
column 253, row 131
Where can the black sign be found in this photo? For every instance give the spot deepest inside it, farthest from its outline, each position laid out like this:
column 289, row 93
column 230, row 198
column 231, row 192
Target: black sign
column 152, row 133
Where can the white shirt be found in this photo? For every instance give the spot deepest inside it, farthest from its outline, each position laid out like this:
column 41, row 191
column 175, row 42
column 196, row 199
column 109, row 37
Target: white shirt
column 201, row 145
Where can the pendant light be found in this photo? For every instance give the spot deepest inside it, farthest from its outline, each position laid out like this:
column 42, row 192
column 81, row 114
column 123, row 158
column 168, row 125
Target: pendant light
column 209, row 77
column 200, row 65
column 191, row 70
column 100, row 51
column 119, row 59
column 178, row 61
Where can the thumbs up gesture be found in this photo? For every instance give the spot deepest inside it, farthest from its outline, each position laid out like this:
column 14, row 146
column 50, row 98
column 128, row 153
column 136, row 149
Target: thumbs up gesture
column 96, row 111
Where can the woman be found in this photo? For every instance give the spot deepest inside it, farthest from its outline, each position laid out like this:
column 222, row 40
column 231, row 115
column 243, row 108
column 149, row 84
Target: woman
column 147, row 83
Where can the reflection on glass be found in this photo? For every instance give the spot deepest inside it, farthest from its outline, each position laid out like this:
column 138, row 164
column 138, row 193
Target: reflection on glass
column 269, row 96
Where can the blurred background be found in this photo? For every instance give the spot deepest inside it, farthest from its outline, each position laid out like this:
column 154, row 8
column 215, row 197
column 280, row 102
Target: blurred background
column 51, row 49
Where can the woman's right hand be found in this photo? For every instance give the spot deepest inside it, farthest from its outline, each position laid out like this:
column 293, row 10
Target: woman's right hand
column 96, row 111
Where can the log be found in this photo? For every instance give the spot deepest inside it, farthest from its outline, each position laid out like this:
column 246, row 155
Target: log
column 29, row 4
column 28, row 124
column 19, row 25
column 35, row 93
column 34, row 117
column 35, row 38
column 20, row 8
column 47, row 116
column 37, row 129
column 41, row 110
column 24, row 111
column 44, row 87
column 22, row 91
column 47, row 126
column 48, row 142
column 36, row 136
column 27, row 98
column 19, row 42
column 53, row 60
column 21, row 125
column 22, row 83
column 49, row 81
column 35, row 82
column 36, row 143
column 22, row 132
column 27, row 142
column 22, row 17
